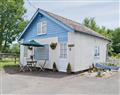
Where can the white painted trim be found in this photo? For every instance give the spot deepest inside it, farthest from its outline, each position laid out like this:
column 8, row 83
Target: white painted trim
column 40, row 28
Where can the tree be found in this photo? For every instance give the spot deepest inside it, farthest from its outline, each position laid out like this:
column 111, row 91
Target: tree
column 11, row 21
column 116, row 40
column 91, row 23
column 14, row 48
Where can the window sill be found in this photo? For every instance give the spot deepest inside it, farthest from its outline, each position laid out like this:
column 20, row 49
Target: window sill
column 97, row 57
column 62, row 58
column 41, row 33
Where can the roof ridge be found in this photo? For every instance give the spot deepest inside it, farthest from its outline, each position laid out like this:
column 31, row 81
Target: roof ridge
column 60, row 16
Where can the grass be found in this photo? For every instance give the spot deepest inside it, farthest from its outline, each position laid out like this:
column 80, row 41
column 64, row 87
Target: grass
column 112, row 64
column 8, row 62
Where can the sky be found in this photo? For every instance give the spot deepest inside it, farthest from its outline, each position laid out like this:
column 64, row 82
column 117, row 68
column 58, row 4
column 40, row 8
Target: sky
column 105, row 12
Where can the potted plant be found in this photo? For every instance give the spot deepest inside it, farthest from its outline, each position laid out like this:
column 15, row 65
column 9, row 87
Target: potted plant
column 99, row 73
column 54, row 67
column 30, row 48
column 69, row 70
column 53, row 45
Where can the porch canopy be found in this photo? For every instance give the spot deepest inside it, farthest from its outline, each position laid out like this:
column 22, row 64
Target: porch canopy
column 32, row 43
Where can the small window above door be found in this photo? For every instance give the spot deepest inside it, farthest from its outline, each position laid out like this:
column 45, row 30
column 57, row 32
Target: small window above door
column 63, row 50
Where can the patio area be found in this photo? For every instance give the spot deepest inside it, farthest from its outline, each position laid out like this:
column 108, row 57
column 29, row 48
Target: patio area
column 48, row 82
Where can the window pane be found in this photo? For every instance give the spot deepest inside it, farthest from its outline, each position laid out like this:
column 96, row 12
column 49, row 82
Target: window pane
column 38, row 27
column 42, row 27
column 63, row 50
column 97, row 51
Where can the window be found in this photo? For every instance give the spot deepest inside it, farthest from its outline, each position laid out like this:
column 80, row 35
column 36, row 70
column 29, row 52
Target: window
column 42, row 53
column 63, row 50
column 25, row 51
column 42, row 27
column 97, row 51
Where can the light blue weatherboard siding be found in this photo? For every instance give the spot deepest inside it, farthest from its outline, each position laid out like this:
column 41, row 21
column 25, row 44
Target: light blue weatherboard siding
column 53, row 30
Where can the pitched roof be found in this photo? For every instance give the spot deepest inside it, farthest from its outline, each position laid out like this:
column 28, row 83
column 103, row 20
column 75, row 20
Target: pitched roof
column 75, row 25
column 70, row 23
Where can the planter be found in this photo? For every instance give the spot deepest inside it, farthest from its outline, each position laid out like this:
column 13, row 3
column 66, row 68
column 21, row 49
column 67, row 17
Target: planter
column 54, row 67
column 69, row 71
column 30, row 48
column 53, row 45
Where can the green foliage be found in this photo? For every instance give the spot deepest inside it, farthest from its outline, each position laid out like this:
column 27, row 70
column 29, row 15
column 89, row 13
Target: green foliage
column 8, row 62
column 14, row 48
column 118, row 55
column 11, row 22
column 69, row 70
column 114, row 55
column 91, row 23
column 116, row 40
column 54, row 67
column 99, row 74
column 111, row 64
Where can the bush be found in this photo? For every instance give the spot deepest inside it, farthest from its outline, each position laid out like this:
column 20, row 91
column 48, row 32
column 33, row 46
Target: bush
column 111, row 64
column 14, row 48
column 69, row 70
column 54, row 67
column 53, row 45
column 118, row 55
column 99, row 74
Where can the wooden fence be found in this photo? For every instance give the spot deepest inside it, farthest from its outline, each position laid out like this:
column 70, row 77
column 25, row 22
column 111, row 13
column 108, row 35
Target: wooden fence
column 14, row 57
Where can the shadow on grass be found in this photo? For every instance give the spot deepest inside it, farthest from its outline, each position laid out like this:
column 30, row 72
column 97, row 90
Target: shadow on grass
column 14, row 69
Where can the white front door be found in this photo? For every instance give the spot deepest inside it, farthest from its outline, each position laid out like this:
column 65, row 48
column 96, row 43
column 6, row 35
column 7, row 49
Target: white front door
column 63, row 57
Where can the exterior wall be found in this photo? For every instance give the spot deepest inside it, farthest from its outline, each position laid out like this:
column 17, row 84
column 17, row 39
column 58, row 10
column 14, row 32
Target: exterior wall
column 55, row 33
column 71, row 50
column 54, row 55
column 53, row 30
column 80, row 56
column 21, row 54
column 84, row 50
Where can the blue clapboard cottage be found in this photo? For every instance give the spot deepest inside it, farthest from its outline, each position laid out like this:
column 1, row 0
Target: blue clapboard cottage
column 64, row 41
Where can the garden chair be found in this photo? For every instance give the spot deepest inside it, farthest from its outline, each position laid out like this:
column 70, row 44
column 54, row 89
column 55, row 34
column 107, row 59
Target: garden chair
column 24, row 66
column 41, row 64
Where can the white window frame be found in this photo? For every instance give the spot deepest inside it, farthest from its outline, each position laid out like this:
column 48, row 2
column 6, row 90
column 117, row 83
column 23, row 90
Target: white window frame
column 42, row 27
column 63, row 50
column 97, row 51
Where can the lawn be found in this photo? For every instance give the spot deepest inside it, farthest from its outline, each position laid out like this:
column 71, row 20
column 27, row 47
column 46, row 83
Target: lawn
column 8, row 62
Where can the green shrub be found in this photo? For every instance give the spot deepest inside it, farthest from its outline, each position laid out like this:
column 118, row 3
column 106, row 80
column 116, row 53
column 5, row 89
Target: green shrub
column 69, row 70
column 118, row 55
column 111, row 64
column 99, row 74
column 54, row 67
